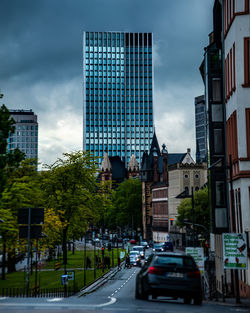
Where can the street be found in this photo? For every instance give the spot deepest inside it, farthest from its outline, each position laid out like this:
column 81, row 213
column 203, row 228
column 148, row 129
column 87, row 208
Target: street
column 117, row 295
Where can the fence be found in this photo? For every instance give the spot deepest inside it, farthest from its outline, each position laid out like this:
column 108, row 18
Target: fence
column 41, row 293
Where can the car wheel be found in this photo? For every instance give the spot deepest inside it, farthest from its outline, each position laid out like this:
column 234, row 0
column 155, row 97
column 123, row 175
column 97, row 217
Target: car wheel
column 137, row 294
column 198, row 300
column 143, row 294
column 187, row 300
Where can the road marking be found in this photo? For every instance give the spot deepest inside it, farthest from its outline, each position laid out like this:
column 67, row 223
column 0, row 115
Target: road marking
column 123, row 284
column 54, row 299
column 80, row 305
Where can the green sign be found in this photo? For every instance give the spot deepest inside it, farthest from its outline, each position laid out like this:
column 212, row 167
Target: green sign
column 71, row 275
column 235, row 251
column 198, row 255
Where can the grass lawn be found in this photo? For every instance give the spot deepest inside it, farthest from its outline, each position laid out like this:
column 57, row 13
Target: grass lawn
column 50, row 278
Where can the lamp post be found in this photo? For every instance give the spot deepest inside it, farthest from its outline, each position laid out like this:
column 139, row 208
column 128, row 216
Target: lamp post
column 4, row 252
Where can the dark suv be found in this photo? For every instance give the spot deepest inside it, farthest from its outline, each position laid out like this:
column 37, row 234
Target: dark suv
column 168, row 246
column 170, row 275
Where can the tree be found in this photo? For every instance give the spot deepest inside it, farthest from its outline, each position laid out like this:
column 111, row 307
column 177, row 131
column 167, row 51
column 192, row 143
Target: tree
column 201, row 214
column 6, row 127
column 127, row 204
column 71, row 190
column 22, row 189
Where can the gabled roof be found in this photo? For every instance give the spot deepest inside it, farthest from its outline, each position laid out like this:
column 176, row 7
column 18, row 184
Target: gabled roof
column 133, row 164
column 118, row 169
column 174, row 158
column 106, row 165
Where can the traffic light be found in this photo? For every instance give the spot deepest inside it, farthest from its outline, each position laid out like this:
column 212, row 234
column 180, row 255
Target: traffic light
column 103, row 249
column 109, row 246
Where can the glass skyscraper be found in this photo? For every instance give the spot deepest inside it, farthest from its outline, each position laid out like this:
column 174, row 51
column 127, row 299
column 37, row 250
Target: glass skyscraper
column 25, row 137
column 117, row 93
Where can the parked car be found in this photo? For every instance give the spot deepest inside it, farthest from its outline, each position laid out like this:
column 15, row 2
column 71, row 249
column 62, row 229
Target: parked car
column 168, row 246
column 145, row 244
column 132, row 241
column 158, row 247
column 169, row 274
column 135, row 258
column 141, row 250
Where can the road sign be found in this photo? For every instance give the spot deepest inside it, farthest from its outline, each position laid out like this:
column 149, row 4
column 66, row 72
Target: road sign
column 35, row 231
column 37, row 216
column 234, row 251
column 198, row 255
column 71, row 275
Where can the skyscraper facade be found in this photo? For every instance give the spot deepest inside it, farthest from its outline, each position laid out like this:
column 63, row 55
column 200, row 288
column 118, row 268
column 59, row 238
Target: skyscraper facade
column 200, row 129
column 25, row 137
column 117, row 93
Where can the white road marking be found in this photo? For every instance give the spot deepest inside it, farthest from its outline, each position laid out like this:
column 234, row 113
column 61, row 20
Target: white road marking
column 78, row 305
column 54, row 299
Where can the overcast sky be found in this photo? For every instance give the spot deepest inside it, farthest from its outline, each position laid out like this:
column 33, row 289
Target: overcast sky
column 41, row 62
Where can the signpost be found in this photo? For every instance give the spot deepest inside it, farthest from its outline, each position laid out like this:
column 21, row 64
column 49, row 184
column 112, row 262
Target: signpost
column 234, row 251
column 30, row 220
column 198, row 255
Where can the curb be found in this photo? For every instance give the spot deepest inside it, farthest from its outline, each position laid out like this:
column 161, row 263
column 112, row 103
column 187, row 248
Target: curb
column 98, row 283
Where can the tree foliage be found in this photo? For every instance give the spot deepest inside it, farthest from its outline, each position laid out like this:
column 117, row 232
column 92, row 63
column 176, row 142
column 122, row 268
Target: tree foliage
column 71, row 189
column 22, row 189
column 200, row 215
column 126, row 205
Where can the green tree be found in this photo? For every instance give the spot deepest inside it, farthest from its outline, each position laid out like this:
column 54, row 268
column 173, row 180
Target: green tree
column 126, row 210
column 200, row 215
column 71, row 190
column 22, row 189
column 6, row 127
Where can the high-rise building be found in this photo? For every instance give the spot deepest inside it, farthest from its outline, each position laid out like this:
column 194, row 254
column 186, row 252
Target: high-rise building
column 200, row 129
column 117, row 93
column 25, row 137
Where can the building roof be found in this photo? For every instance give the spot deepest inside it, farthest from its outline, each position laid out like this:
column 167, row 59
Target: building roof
column 133, row 164
column 106, row 165
column 174, row 158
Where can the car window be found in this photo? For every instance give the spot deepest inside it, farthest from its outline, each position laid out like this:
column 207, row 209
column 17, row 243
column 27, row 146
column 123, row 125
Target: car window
column 174, row 261
column 134, row 252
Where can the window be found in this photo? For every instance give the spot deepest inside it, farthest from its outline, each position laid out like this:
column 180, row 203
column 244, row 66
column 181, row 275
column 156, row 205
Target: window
column 248, row 131
column 246, row 62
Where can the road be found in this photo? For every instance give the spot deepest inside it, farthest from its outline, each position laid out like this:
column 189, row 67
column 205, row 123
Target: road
column 117, row 295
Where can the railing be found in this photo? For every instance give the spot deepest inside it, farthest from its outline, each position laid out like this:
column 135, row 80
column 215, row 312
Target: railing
column 41, row 293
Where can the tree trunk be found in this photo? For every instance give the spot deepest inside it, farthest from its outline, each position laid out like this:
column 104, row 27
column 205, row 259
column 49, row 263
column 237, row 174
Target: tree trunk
column 73, row 248
column 4, row 257
column 11, row 262
column 64, row 248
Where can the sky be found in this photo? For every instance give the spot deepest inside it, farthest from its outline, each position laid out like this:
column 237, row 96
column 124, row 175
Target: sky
column 41, row 63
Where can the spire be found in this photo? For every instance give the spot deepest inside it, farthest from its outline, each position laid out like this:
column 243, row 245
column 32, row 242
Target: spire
column 106, row 165
column 155, row 144
column 133, row 164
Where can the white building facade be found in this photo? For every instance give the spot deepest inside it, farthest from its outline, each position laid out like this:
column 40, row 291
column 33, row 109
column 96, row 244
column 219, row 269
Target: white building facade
column 236, row 22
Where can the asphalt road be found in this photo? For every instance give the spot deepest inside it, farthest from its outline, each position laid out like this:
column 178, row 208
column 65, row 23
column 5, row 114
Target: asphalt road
column 117, row 295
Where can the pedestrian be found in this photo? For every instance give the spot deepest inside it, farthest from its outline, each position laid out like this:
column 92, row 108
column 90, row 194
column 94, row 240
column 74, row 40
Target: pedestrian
column 119, row 263
column 108, row 262
column 88, row 261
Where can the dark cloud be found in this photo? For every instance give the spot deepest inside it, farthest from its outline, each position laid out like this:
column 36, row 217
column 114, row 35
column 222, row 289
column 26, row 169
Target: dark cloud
column 41, row 47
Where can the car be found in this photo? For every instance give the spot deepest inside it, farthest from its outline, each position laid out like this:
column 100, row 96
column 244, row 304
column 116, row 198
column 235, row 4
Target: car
column 158, row 247
column 169, row 274
column 132, row 241
column 168, row 246
column 140, row 249
column 145, row 244
column 135, row 258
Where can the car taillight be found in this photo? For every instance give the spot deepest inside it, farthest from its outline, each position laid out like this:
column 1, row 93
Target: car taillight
column 195, row 274
column 155, row 270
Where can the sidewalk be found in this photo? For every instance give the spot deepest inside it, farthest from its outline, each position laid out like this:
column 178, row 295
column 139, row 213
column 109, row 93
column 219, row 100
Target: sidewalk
column 244, row 302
